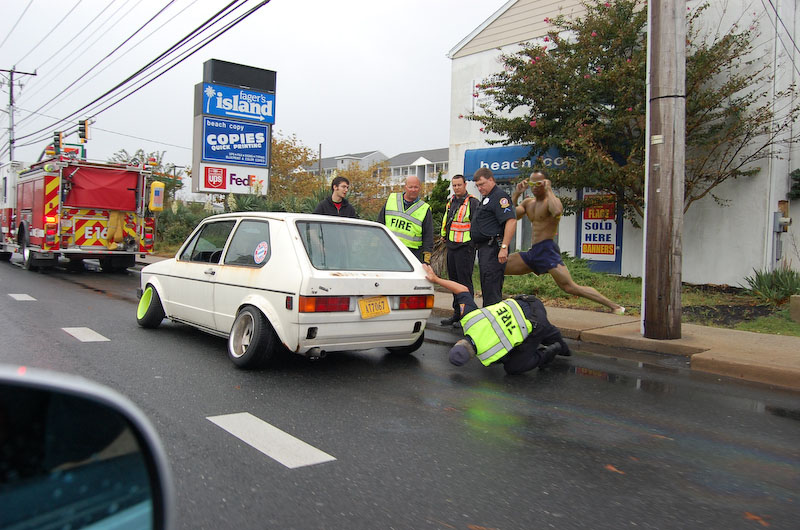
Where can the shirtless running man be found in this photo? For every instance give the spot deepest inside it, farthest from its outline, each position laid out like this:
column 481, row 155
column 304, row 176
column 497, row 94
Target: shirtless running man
column 544, row 211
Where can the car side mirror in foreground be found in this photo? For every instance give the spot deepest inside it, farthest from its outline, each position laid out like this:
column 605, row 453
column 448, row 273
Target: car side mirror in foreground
column 74, row 454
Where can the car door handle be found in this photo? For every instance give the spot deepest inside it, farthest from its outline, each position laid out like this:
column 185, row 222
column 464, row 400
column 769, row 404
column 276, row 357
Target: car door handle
column 210, row 272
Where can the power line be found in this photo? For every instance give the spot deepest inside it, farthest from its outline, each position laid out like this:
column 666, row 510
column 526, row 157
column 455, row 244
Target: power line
column 788, row 33
column 138, row 72
column 4, row 150
column 188, row 54
column 109, row 54
column 140, row 138
column 79, row 49
column 126, row 52
column 76, row 35
column 16, row 23
column 51, row 32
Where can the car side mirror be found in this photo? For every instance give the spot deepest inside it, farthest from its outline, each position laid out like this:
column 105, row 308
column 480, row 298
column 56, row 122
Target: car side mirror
column 76, row 454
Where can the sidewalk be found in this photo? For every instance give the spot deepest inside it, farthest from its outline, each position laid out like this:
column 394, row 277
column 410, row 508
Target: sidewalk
column 758, row 357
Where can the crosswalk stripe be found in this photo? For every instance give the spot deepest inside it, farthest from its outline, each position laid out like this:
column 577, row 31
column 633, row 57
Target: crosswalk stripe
column 21, row 297
column 86, row 334
column 273, row 442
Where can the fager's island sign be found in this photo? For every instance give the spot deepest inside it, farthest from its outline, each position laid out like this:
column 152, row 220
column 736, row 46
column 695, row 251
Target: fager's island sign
column 234, row 111
column 230, row 102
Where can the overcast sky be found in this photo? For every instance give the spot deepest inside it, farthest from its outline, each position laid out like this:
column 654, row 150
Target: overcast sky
column 352, row 75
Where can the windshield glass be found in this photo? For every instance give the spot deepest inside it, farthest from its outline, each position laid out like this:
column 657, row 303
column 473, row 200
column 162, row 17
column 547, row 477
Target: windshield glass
column 350, row 247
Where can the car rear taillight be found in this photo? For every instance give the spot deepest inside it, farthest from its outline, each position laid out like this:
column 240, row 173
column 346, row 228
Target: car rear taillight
column 422, row 301
column 323, row 304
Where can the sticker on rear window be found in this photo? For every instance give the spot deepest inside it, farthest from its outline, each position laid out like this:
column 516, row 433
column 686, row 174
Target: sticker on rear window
column 260, row 252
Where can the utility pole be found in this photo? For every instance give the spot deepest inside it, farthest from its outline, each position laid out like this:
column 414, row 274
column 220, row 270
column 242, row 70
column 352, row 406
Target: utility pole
column 11, row 108
column 319, row 165
column 664, row 181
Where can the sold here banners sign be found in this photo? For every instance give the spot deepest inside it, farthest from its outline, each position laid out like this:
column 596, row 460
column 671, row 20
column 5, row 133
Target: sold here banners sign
column 599, row 229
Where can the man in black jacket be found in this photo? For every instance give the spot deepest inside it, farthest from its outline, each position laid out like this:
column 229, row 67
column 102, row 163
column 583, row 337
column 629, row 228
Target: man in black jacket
column 336, row 204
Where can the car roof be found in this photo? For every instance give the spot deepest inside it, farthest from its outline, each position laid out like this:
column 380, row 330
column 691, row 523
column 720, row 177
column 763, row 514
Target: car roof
column 288, row 217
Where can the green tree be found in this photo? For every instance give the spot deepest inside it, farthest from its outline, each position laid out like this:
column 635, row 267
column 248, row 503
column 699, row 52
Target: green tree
column 437, row 199
column 287, row 159
column 582, row 90
column 369, row 188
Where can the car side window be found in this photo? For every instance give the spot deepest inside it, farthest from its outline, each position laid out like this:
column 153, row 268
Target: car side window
column 250, row 245
column 206, row 246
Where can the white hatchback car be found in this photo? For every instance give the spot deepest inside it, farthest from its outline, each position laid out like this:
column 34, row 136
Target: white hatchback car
column 312, row 283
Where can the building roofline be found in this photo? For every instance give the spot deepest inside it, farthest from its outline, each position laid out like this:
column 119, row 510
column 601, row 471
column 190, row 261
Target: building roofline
column 497, row 14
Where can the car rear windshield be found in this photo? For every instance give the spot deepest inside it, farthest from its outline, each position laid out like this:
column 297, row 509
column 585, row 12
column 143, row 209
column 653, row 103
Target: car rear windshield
column 351, row 247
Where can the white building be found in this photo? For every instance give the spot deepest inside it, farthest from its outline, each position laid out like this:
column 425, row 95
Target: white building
column 425, row 165
column 343, row 162
column 721, row 245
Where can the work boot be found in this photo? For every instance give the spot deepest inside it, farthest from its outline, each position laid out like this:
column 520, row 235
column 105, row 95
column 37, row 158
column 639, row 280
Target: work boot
column 548, row 353
column 449, row 321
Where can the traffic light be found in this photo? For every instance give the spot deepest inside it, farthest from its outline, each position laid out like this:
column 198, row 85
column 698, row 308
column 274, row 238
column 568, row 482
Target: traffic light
column 58, row 141
column 83, row 131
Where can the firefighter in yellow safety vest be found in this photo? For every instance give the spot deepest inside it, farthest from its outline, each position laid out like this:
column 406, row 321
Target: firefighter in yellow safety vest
column 456, row 225
column 514, row 332
column 409, row 218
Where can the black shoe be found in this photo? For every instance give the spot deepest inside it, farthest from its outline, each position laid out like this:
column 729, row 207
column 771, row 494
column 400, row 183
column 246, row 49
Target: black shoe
column 448, row 321
column 548, row 353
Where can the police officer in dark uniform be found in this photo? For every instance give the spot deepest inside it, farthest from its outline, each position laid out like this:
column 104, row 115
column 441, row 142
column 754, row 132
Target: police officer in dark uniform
column 492, row 230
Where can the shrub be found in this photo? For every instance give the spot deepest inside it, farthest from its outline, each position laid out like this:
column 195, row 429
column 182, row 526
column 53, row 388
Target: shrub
column 774, row 287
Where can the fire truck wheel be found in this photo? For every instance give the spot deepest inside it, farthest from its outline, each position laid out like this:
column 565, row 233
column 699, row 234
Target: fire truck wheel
column 27, row 254
column 150, row 313
column 252, row 342
column 117, row 263
column 5, row 256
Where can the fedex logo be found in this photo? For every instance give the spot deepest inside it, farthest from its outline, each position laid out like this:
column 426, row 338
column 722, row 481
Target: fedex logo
column 249, row 180
column 215, row 178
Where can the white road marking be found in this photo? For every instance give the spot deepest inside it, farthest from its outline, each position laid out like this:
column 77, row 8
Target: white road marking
column 86, row 334
column 273, row 442
column 22, row 297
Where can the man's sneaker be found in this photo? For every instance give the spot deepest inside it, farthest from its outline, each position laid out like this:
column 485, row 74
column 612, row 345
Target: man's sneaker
column 448, row 321
column 619, row 311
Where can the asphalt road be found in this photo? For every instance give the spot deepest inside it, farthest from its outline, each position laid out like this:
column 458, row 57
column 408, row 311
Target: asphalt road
column 595, row 441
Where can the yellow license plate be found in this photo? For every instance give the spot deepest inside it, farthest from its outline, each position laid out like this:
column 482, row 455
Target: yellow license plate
column 374, row 307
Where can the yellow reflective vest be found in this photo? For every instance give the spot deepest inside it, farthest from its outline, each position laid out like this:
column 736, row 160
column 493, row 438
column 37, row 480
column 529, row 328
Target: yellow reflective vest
column 497, row 329
column 405, row 224
column 461, row 223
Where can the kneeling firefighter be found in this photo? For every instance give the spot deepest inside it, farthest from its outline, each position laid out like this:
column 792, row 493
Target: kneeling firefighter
column 514, row 332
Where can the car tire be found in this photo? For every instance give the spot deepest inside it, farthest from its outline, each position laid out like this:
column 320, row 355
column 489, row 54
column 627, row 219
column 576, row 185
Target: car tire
column 406, row 350
column 150, row 312
column 28, row 259
column 252, row 341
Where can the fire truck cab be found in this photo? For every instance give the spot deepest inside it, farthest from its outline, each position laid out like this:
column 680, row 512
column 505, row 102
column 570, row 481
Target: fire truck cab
column 77, row 209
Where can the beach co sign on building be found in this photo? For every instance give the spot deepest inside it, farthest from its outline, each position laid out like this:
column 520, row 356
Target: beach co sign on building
column 233, row 118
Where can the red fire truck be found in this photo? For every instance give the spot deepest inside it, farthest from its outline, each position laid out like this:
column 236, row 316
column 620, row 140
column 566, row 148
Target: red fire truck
column 68, row 207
